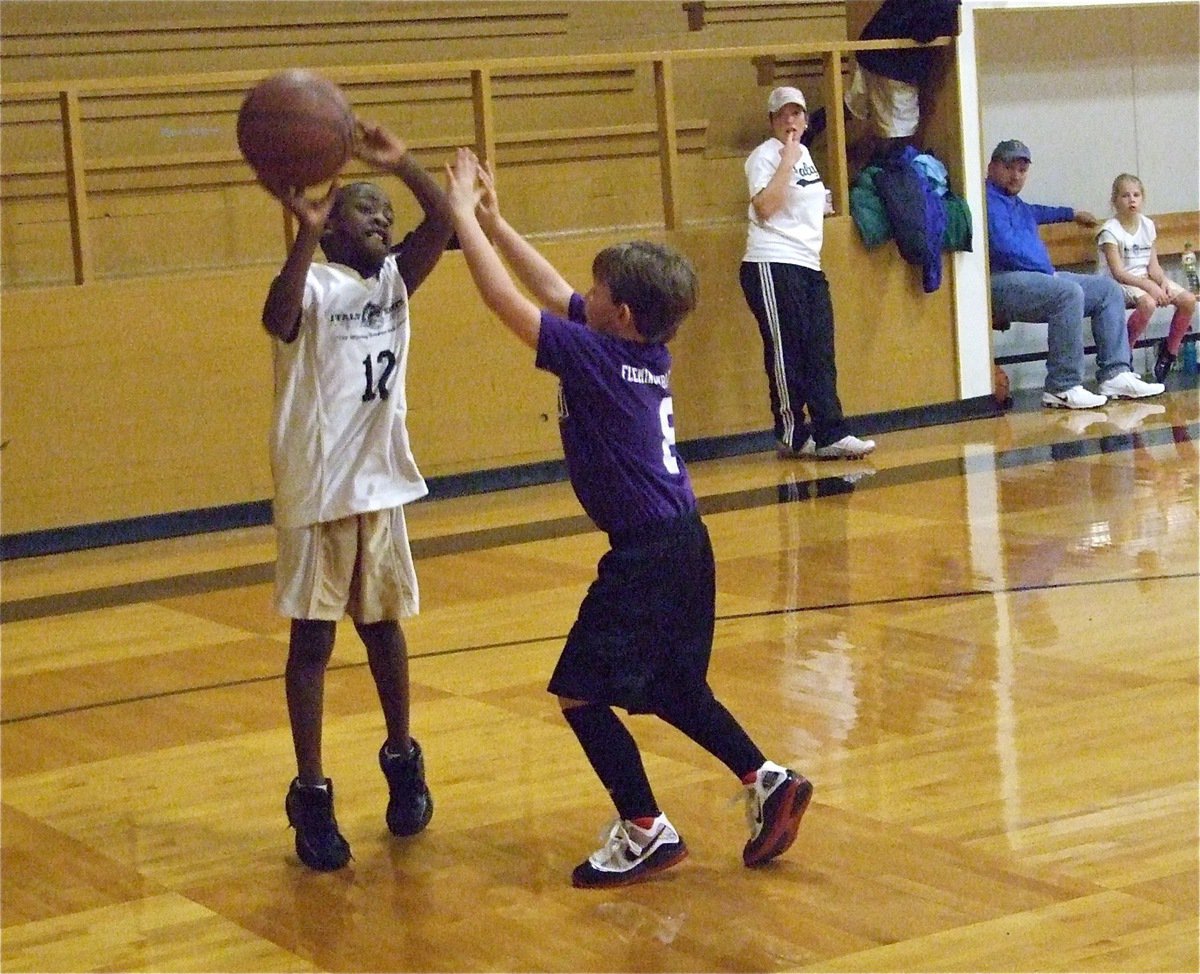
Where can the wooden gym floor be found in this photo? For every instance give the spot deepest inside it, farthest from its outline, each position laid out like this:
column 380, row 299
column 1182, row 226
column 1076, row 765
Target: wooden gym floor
column 981, row 647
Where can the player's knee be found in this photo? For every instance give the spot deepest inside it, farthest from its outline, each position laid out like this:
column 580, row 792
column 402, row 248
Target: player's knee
column 311, row 642
column 1067, row 297
column 692, row 700
column 1145, row 305
column 1112, row 293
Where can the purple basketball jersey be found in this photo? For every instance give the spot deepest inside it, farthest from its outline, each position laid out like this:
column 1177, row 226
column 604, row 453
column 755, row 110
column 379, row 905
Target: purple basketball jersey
column 617, row 423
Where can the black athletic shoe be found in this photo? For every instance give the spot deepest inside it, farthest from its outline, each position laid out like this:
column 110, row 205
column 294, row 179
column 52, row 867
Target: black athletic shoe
column 319, row 844
column 775, row 803
column 630, row 854
column 1163, row 363
column 410, row 805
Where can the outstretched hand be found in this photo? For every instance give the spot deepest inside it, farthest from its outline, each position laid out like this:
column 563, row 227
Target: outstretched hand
column 310, row 213
column 463, row 191
column 488, row 207
column 377, row 146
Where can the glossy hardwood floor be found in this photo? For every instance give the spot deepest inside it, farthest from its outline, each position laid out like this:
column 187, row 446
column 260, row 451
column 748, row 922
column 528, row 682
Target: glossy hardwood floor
column 981, row 647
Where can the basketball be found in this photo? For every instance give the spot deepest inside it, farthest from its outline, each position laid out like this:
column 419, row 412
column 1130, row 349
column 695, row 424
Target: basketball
column 295, row 128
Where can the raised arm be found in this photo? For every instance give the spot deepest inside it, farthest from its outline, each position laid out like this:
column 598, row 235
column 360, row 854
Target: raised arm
column 281, row 312
column 500, row 293
column 379, row 147
column 771, row 198
column 532, row 269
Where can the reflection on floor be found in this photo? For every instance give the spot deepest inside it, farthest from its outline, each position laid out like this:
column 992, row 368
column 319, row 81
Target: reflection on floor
column 981, row 646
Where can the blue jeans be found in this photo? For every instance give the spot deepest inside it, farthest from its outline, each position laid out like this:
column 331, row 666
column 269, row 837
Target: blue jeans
column 1063, row 301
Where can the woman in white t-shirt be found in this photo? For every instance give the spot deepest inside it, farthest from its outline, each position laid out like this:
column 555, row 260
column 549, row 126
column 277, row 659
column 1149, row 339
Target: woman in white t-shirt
column 786, row 290
column 1127, row 253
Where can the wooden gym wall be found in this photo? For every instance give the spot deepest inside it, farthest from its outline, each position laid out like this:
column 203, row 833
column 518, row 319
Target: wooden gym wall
column 136, row 378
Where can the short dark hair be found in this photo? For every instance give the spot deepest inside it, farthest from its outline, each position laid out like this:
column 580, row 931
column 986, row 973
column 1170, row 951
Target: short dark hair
column 348, row 192
column 657, row 283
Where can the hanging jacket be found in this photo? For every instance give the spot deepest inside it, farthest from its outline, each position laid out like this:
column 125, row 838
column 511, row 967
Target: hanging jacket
column 918, row 20
column 875, row 229
column 917, row 215
column 867, row 212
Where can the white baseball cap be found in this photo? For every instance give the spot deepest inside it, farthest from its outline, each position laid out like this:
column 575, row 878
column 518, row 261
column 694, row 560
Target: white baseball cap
column 785, row 95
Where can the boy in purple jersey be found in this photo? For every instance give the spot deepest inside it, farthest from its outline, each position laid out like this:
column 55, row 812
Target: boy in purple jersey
column 644, row 633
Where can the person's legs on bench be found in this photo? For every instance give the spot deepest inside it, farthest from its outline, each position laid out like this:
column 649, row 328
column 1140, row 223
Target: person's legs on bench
column 1104, row 303
column 1031, row 296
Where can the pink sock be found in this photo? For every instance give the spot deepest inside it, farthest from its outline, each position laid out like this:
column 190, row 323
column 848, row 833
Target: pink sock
column 1179, row 327
column 1136, row 324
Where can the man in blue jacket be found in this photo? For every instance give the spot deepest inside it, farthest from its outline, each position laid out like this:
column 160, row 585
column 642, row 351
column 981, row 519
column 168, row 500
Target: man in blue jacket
column 1026, row 287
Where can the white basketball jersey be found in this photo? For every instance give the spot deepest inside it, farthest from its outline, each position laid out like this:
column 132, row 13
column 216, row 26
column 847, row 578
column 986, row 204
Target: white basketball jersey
column 339, row 443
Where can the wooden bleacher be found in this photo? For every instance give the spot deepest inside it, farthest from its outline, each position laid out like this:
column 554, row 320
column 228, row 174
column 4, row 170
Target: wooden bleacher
column 1070, row 244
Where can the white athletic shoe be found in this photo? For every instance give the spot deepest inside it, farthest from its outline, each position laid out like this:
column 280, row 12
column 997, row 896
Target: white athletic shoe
column 631, row 854
column 807, row 451
column 1077, row 397
column 775, row 802
column 1126, row 385
column 847, row 448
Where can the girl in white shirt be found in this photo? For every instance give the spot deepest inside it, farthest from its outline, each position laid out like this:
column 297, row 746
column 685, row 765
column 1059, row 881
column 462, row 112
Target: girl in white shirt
column 1127, row 253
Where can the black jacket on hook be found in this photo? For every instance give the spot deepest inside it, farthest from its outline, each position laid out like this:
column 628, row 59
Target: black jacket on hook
column 918, row 20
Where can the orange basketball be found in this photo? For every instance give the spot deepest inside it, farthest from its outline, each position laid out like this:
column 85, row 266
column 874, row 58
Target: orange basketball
column 296, row 128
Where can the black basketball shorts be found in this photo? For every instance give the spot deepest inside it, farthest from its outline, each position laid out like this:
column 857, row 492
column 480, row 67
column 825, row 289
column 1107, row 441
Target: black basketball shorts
column 645, row 629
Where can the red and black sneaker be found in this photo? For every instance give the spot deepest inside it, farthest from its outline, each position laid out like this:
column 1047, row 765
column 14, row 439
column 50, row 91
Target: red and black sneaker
column 775, row 802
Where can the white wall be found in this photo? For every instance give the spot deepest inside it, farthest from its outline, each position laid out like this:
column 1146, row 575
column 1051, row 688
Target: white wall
column 1095, row 92
column 1095, row 87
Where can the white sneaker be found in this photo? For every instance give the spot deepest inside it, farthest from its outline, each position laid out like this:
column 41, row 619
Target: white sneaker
column 775, row 802
column 785, row 452
column 630, row 854
column 1077, row 397
column 1128, row 416
column 1078, row 420
column 847, row 448
column 1126, row 385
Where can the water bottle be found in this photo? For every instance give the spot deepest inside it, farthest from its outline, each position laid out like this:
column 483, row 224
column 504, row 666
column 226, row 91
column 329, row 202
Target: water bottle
column 1189, row 269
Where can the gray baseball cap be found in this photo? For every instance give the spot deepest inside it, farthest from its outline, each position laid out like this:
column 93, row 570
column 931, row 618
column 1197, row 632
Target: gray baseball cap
column 1010, row 150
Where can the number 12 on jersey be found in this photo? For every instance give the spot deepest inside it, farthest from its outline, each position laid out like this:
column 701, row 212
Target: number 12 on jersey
column 387, row 363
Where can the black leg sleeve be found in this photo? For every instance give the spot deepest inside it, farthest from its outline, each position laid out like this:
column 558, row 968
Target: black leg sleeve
column 614, row 756
column 705, row 720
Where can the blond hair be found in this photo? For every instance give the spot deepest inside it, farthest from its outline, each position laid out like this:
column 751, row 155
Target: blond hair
column 1125, row 177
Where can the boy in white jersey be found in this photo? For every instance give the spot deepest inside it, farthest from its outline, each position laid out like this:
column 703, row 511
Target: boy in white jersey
column 644, row 633
column 343, row 469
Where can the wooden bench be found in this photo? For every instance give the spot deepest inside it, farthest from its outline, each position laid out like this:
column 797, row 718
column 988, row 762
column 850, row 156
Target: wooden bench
column 1073, row 247
column 1070, row 244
